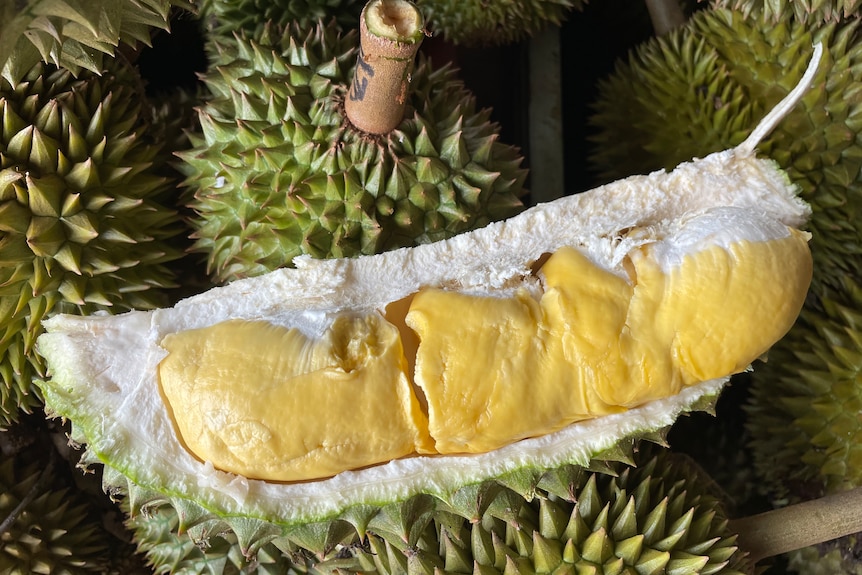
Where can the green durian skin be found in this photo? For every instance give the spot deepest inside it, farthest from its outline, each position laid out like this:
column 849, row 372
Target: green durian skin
column 226, row 17
column 277, row 170
column 86, row 218
column 656, row 517
column 704, row 86
column 76, row 35
column 802, row 10
column 483, row 23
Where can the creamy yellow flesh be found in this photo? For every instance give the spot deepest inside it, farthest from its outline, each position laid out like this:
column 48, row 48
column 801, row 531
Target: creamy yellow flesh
column 269, row 403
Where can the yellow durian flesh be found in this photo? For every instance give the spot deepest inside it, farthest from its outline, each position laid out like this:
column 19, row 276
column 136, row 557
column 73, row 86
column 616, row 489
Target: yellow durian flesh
column 272, row 403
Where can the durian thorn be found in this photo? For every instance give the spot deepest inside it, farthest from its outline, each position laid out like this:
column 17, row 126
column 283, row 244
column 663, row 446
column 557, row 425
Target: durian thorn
column 34, row 491
column 768, row 123
column 801, row 525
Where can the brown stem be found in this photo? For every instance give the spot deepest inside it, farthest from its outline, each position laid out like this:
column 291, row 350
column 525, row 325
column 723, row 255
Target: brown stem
column 390, row 34
column 665, row 15
column 797, row 526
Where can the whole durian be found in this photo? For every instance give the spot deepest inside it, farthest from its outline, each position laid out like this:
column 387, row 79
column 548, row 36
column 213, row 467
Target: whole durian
column 76, row 35
column 694, row 91
column 85, row 225
column 278, row 171
column 659, row 517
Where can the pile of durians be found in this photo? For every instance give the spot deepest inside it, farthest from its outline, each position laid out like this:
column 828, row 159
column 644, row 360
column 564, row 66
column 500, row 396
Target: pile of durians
column 114, row 196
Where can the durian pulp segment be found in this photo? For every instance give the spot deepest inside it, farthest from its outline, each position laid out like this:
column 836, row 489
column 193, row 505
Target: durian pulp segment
column 397, row 20
column 267, row 402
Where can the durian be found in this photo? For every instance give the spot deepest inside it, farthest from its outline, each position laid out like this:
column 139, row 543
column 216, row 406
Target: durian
column 85, row 221
column 278, row 171
column 802, row 10
column 76, row 35
column 694, row 91
column 483, row 23
column 106, row 373
column 227, row 17
column 44, row 529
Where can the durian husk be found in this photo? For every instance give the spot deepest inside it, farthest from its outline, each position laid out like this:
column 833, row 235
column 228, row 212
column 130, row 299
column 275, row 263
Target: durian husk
column 659, row 517
column 86, row 217
column 802, row 10
column 227, row 17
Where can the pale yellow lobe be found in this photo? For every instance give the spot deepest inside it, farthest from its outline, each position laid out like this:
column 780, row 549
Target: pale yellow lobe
column 496, row 370
column 269, row 403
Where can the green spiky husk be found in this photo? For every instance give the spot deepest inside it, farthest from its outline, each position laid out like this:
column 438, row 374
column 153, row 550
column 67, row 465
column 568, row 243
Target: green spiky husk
column 49, row 529
column 83, row 223
column 702, row 87
column 483, row 23
column 226, row 17
column 656, row 518
column 278, row 171
column 75, row 35
column 803, row 10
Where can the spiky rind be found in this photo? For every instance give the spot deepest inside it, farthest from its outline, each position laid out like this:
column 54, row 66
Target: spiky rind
column 803, row 10
column 655, row 518
column 483, row 23
column 805, row 402
column 75, row 35
column 697, row 90
column 227, row 17
column 278, row 171
column 81, row 214
column 48, row 530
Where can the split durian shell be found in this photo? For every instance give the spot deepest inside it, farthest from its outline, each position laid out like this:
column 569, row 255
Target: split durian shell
column 104, row 369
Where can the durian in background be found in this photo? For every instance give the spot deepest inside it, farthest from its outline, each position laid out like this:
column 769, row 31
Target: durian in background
column 87, row 218
column 278, row 170
column 227, row 17
column 76, row 35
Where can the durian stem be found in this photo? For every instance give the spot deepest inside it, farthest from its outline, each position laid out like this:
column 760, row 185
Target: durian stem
column 797, row 526
column 665, row 15
column 390, row 34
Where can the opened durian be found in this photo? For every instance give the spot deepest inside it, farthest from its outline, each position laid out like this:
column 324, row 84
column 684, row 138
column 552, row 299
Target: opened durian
column 563, row 333
column 697, row 90
column 85, row 225
column 279, row 170
column 76, row 35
